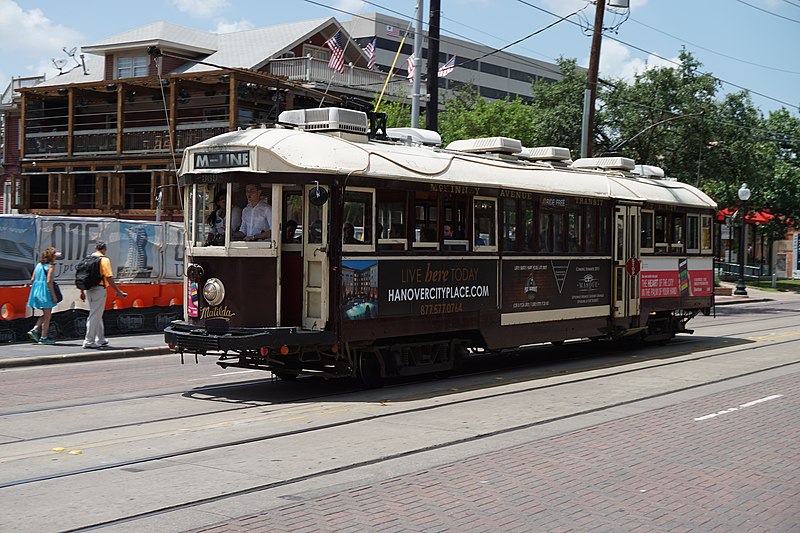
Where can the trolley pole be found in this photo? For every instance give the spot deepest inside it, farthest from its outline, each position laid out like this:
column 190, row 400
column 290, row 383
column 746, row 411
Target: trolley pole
column 417, row 63
column 589, row 96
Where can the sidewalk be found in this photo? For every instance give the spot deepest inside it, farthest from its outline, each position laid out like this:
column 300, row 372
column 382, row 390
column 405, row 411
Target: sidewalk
column 71, row 350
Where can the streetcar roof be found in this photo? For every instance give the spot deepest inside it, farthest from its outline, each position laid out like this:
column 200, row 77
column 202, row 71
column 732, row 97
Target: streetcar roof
column 297, row 151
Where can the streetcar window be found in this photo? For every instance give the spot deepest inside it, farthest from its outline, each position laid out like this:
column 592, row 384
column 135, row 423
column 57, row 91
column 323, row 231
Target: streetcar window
column 604, row 232
column 660, row 233
column 526, row 232
column 357, row 216
column 485, row 223
column 426, row 217
column 574, row 227
column 647, row 242
column 202, row 207
column 693, row 233
column 677, row 232
column 454, row 222
column 619, row 231
column 391, row 227
column 545, row 236
column 705, row 233
column 291, row 223
column 508, row 225
column 591, row 229
column 558, row 233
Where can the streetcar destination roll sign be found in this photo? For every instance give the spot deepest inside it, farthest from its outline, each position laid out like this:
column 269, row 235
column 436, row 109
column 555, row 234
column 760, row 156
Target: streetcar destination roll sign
column 222, row 159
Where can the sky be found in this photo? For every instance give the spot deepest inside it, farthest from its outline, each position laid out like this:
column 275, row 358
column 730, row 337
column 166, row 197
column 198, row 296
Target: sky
column 749, row 44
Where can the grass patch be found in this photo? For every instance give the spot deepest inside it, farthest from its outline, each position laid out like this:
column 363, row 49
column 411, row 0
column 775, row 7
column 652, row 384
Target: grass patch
column 781, row 285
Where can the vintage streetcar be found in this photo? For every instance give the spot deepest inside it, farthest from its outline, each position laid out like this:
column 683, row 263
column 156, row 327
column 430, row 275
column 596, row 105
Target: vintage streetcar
column 393, row 257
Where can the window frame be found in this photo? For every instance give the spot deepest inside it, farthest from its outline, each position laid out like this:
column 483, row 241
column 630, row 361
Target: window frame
column 690, row 218
column 710, row 220
column 648, row 249
column 484, row 247
column 365, row 247
column 133, row 66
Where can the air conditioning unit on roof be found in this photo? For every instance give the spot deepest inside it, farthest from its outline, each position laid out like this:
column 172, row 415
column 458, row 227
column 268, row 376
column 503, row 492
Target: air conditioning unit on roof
column 487, row 145
column 605, row 163
column 327, row 119
column 648, row 171
column 545, row 153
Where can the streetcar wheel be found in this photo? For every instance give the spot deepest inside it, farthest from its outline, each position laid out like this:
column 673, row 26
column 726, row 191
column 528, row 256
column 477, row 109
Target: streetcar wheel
column 369, row 370
column 285, row 376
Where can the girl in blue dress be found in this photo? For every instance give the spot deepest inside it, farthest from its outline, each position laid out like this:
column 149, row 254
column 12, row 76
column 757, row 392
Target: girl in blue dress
column 43, row 296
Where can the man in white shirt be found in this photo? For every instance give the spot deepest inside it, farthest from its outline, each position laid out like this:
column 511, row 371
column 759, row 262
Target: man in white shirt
column 256, row 216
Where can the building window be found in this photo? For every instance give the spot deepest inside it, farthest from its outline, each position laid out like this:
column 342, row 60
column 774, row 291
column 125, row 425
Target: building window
column 132, row 67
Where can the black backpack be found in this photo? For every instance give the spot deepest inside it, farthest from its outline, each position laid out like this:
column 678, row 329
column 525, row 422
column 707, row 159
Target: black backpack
column 87, row 273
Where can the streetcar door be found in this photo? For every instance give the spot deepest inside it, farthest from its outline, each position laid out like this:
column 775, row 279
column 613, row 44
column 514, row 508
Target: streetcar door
column 315, row 260
column 627, row 263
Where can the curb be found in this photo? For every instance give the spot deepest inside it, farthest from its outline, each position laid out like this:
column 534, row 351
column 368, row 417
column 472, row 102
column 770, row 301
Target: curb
column 94, row 355
column 743, row 301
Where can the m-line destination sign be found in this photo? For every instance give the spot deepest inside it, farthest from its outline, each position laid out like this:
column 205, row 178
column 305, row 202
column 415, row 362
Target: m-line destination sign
column 222, row 159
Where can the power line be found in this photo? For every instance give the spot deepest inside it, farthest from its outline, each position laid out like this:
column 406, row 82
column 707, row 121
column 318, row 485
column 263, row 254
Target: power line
column 681, row 40
column 670, row 60
column 768, row 12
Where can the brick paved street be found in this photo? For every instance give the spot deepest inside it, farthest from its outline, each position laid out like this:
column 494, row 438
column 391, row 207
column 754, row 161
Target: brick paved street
column 732, row 470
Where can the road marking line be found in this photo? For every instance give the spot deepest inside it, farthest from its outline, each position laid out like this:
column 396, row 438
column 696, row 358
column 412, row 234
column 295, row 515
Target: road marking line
column 742, row 406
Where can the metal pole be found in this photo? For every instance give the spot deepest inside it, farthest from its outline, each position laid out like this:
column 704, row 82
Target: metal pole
column 741, row 289
column 417, row 63
column 432, row 106
column 587, row 140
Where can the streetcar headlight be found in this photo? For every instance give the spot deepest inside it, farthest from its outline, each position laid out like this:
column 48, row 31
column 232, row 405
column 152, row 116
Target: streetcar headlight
column 214, row 291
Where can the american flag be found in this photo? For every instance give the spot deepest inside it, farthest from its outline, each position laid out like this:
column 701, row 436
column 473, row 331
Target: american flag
column 410, row 69
column 392, row 31
column 447, row 68
column 370, row 51
column 336, row 44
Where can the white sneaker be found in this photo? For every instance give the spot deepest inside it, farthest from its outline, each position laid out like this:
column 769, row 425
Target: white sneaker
column 90, row 346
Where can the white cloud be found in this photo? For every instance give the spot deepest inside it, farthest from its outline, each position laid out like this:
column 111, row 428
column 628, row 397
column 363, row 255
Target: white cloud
column 351, row 6
column 31, row 35
column 230, row 27
column 617, row 62
column 201, row 8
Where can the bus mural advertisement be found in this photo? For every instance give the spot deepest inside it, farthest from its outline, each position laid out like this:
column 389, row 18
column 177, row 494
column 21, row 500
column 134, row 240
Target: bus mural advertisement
column 540, row 285
column 375, row 289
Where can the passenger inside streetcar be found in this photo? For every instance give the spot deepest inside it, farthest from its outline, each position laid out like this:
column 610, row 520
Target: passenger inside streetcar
column 217, row 218
column 256, row 216
column 289, row 232
column 349, row 234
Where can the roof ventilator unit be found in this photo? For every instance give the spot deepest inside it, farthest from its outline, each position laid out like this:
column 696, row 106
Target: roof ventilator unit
column 649, row 171
column 412, row 136
column 605, row 163
column 487, row 145
column 545, row 153
column 327, row 119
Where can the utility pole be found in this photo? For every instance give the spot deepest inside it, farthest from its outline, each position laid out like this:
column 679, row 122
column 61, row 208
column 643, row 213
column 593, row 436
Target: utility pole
column 432, row 107
column 589, row 96
column 417, row 64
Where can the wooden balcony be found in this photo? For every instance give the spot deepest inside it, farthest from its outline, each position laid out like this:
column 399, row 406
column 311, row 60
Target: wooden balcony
column 139, row 140
column 317, row 71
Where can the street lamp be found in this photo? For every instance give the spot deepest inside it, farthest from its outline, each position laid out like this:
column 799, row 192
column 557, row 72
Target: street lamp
column 744, row 195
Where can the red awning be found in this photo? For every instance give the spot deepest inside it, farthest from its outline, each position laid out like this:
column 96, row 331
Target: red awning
column 753, row 217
